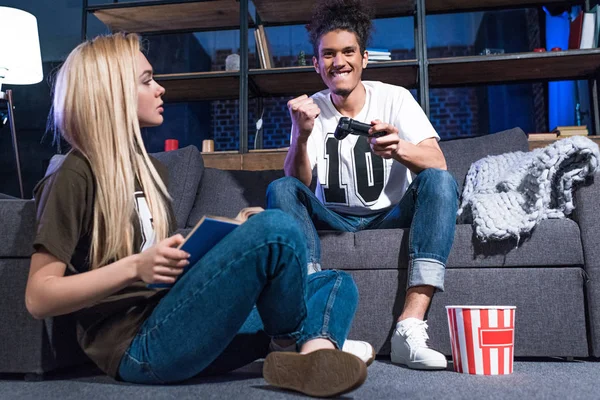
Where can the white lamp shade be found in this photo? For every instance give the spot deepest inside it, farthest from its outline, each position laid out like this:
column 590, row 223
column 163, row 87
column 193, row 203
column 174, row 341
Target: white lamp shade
column 20, row 57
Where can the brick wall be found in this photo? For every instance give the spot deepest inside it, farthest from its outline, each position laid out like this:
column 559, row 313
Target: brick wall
column 453, row 111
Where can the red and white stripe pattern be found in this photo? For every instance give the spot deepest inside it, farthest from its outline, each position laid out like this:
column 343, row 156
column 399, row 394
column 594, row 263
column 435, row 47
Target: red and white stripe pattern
column 482, row 339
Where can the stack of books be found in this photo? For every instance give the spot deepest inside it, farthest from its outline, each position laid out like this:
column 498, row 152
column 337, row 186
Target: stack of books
column 543, row 139
column 377, row 55
column 572, row 130
column 542, row 136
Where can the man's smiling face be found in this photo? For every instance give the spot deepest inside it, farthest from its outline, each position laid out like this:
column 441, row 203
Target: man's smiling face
column 340, row 62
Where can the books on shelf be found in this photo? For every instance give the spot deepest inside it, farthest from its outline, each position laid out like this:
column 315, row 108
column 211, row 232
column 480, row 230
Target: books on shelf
column 542, row 136
column 587, row 31
column 575, row 30
column 371, row 60
column 376, row 55
column 583, row 30
column 379, row 52
column 266, row 47
column 571, row 130
column 260, row 54
column 263, row 47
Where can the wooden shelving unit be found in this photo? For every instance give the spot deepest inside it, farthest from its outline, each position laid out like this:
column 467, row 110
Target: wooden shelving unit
column 279, row 12
column 147, row 16
column 199, row 86
column 255, row 160
column 289, row 12
column 297, row 80
column 453, row 6
column 169, row 16
column 518, row 67
column 535, row 144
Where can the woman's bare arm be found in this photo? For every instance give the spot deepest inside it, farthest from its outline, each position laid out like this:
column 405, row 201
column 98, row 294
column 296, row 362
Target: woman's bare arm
column 49, row 292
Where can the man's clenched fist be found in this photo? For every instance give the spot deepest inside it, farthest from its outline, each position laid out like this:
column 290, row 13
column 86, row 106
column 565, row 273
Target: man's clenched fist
column 303, row 112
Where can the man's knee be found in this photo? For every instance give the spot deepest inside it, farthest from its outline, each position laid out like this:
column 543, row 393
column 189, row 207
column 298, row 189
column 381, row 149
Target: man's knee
column 282, row 187
column 285, row 192
column 441, row 182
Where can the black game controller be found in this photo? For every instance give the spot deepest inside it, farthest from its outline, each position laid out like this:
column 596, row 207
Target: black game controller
column 348, row 126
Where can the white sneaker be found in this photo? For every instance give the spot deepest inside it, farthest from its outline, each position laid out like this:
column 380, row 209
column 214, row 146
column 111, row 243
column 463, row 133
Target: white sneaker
column 409, row 346
column 360, row 349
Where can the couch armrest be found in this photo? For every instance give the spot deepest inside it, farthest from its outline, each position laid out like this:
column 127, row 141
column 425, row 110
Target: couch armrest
column 587, row 215
column 17, row 218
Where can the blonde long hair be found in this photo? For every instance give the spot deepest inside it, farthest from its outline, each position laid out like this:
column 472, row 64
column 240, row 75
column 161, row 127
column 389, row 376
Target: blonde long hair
column 95, row 110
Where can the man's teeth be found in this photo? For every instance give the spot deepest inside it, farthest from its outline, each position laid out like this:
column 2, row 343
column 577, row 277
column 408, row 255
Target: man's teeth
column 340, row 73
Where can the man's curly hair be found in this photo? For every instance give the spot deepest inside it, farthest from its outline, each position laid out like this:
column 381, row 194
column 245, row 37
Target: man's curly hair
column 349, row 15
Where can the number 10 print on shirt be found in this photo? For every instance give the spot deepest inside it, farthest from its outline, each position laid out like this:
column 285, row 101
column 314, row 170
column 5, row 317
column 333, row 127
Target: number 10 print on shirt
column 366, row 175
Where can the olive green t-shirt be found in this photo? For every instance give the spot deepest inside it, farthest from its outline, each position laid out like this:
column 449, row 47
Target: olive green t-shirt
column 65, row 205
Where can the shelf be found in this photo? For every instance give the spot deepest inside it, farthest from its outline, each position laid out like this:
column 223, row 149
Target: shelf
column 455, row 6
column 199, row 86
column 289, row 81
column 443, row 72
column 536, row 144
column 294, row 81
column 512, row 68
column 402, row 73
column 169, row 16
column 279, row 12
column 255, row 160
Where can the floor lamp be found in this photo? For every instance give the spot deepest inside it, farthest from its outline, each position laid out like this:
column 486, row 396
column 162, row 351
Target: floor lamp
column 20, row 63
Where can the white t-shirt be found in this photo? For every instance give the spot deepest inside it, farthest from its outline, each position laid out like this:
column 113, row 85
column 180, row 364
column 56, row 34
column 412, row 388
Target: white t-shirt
column 351, row 178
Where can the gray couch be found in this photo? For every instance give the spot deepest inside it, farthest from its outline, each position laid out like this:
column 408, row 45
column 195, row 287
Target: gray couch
column 552, row 277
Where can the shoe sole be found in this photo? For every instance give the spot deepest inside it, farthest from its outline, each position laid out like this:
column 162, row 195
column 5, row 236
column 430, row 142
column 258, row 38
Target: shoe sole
column 372, row 358
column 321, row 373
column 416, row 365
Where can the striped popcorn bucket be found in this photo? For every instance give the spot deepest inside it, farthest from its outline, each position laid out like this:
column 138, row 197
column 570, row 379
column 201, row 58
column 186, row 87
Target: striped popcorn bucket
column 482, row 339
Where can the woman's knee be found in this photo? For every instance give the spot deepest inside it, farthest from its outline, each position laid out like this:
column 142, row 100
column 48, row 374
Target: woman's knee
column 346, row 287
column 349, row 286
column 278, row 224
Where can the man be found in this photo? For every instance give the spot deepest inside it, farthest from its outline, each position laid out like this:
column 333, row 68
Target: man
column 366, row 183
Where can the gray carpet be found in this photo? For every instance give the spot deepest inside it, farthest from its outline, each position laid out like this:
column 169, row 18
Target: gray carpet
column 537, row 379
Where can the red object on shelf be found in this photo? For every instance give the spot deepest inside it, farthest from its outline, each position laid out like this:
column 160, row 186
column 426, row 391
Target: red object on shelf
column 539, row 50
column 556, row 49
column 171, row 144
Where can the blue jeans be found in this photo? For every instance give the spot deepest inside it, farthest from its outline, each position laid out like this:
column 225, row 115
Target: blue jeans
column 428, row 208
column 224, row 311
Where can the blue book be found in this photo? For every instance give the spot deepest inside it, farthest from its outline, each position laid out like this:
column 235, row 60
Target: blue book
column 206, row 234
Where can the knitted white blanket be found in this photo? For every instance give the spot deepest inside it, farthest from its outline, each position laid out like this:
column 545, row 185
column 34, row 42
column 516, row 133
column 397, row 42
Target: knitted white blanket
column 507, row 195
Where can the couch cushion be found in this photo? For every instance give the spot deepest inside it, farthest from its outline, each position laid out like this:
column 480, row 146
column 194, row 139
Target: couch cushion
column 18, row 228
column 185, row 167
column 461, row 153
column 553, row 243
column 226, row 192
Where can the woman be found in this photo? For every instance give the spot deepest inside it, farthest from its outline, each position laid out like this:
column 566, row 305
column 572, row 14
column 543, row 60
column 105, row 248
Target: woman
column 103, row 223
